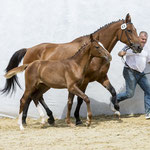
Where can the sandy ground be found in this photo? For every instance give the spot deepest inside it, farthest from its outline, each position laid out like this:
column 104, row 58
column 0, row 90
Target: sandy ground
column 105, row 133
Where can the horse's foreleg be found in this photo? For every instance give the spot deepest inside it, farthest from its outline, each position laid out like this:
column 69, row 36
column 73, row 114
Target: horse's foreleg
column 75, row 90
column 77, row 110
column 79, row 103
column 70, row 102
column 106, row 83
column 51, row 119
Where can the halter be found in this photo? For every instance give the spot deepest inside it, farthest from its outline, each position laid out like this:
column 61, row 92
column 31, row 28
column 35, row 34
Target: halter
column 124, row 28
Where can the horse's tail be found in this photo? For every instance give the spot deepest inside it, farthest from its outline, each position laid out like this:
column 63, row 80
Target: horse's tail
column 14, row 62
column 14, row 71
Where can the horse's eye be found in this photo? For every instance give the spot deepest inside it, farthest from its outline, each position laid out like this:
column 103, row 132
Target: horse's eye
column 97, row 47
column 130, row 31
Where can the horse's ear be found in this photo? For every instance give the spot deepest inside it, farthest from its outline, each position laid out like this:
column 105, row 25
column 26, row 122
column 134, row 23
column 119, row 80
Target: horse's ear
column 91, row 37
column 128, row 18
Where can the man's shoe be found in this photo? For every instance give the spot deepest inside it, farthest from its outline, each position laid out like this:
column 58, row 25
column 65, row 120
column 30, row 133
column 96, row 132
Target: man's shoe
column 147, row 116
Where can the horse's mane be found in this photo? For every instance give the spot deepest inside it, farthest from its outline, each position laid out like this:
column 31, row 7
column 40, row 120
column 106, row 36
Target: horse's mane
column 80, row 49
column 105, row 26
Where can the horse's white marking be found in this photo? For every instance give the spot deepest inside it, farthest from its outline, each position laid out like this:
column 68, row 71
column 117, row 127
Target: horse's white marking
column 21, row 127
column 88, row 117
column 117, row 113
column 20, row 118
column 42, row 115
column 101, row 45
column 20, row 121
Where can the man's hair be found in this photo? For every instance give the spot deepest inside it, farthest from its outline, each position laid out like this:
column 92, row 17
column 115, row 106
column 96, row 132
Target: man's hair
column 144, row 32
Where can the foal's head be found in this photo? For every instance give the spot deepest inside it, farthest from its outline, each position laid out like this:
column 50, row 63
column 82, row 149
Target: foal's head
column 128, row 35
column 97, row 50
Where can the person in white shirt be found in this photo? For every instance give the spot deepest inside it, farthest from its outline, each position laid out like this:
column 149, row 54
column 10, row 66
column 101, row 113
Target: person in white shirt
column 134, row 72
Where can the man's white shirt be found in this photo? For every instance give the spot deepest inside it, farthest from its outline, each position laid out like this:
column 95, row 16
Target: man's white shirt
column 138, row 61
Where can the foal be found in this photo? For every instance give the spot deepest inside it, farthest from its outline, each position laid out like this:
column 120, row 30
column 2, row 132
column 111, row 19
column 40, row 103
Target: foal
column 68, row 73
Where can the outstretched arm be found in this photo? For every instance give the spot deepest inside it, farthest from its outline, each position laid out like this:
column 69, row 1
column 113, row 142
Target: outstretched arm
column 123, row 51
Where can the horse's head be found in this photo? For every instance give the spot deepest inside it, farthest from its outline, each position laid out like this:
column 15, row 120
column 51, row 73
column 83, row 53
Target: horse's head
column 128, row 35
column 98, row 50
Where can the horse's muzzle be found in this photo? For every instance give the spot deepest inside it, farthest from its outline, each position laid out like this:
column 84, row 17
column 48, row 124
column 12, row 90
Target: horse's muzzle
column 136, row 48
column 108, row 58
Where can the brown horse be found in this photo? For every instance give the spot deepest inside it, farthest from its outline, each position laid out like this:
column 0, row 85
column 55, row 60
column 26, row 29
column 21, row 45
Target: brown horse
column 122, row 30
column 68, row 73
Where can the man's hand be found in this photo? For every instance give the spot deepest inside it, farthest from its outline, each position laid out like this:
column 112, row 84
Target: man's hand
column 121, row 53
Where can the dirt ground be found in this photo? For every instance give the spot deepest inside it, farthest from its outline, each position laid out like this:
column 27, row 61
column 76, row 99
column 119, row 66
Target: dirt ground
column 105, row 133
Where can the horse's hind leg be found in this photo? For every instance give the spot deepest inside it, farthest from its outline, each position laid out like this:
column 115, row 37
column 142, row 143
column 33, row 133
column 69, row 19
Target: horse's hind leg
column 51, row 119
column 38, row 97
column 39, row 108
column 23, row 101
column 25, row 111
column 70, row 102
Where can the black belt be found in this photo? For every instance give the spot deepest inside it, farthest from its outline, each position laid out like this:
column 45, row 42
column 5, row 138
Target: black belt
column 132, row 69
column 128, row 67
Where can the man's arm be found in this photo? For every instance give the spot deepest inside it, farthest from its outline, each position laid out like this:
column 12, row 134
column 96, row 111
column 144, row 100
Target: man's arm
column 123, row 51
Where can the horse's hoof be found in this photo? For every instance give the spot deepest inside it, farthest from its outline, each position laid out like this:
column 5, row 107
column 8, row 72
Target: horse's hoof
column 24, row 123
column 21, row 128
column 113, row 107
column 43, row 121
column 87, row 123
column 51, row 121
column 117, row 113
column 71, row 125
column 79, row 122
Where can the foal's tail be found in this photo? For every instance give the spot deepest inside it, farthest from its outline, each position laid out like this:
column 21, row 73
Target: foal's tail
column 10, row 84
column 14, row 71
